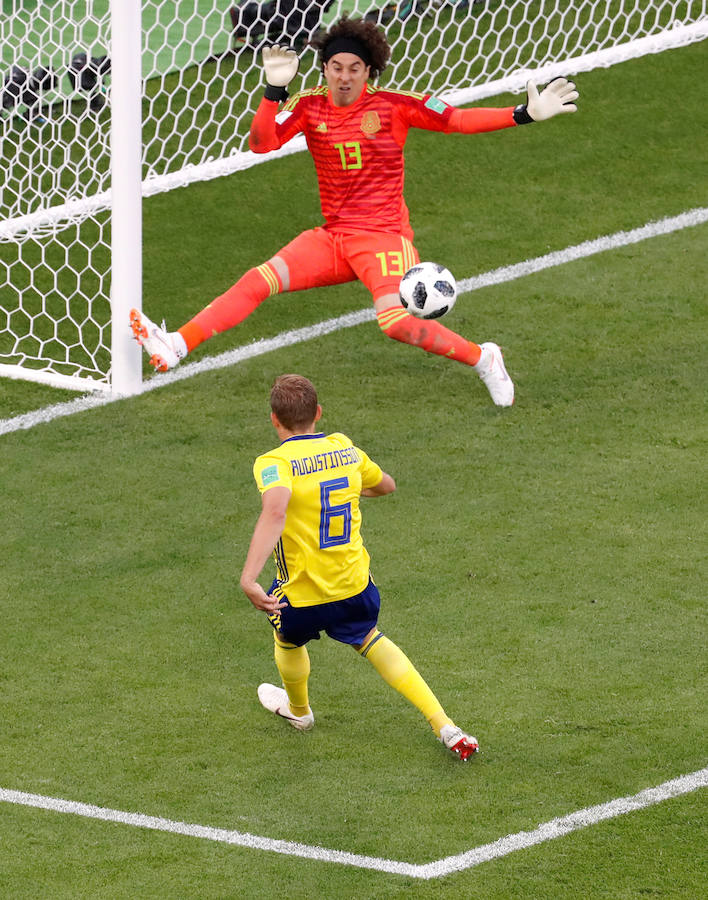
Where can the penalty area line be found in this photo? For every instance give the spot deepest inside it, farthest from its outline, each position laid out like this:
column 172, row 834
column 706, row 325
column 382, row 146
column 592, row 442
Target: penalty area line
column 548, row 831
column 288, row 338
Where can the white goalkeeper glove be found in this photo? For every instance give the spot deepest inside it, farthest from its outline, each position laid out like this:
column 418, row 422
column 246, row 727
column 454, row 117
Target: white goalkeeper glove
column 557, row 97
column 280, row 65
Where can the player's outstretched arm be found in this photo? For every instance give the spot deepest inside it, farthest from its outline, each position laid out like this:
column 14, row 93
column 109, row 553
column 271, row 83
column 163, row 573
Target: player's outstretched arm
column 280, row 65
column 557, row 97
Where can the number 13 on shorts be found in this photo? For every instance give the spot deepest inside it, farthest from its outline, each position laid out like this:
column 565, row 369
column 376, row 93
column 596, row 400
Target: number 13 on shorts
column 392, row 263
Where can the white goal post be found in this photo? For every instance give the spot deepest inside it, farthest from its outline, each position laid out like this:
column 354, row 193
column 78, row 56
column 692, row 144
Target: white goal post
column 106, row 102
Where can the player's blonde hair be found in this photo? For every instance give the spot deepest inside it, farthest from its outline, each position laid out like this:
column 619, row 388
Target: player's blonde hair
column 293, row 399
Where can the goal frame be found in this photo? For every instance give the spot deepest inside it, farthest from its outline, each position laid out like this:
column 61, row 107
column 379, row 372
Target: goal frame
column 126, row 194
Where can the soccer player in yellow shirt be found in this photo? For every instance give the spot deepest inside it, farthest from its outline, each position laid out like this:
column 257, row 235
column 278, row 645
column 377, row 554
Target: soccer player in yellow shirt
column 356, row 133
column 310, row 521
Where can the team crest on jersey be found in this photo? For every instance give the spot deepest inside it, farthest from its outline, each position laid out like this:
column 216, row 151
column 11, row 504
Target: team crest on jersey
column 370, row 122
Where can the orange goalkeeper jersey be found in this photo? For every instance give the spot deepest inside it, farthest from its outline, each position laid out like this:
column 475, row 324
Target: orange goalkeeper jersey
column 358, row 149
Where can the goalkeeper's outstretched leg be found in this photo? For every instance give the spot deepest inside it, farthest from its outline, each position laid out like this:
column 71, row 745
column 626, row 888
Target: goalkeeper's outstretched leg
column 166, row 349
column 486, row 359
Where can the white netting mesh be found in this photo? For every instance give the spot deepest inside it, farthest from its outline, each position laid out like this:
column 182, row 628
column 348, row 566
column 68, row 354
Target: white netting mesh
column 54, row 270
column 201, row 85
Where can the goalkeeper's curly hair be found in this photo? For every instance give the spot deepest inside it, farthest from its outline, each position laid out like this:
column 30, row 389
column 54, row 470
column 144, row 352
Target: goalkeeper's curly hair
column 362, row 30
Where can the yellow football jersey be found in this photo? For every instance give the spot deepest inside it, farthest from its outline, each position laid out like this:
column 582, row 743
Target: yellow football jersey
column 320, row 556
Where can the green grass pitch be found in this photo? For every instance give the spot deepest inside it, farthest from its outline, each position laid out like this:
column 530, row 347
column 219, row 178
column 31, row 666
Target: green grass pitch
column 544, row 566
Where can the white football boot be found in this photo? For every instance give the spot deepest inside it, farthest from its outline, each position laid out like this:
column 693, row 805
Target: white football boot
column 276, row 701
column 492, row 371
column 461, row 744
column 164, row 348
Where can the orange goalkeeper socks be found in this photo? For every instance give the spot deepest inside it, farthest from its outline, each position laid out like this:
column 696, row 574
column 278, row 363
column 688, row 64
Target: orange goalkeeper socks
column 427, row 334
column 233, row 306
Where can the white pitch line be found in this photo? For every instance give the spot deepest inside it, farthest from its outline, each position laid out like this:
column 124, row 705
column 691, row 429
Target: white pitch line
column 231, row 357
column 588, row 248
column 208, row 364
column 559, row 827
column 548, row 831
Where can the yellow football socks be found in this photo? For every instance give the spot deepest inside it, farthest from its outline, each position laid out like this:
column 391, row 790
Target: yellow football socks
column 396, row 669
column 294, row 666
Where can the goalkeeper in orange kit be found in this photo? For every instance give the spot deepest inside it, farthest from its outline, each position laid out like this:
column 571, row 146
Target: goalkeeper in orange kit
column 356, row 133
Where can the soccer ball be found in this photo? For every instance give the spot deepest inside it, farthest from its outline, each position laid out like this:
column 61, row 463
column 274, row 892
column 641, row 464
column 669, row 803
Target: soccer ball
column 428, row 290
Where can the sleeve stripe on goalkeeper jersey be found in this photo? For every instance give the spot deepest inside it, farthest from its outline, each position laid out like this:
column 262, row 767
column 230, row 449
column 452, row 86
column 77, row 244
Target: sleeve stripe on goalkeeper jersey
column 417, row 95
column 311, row 92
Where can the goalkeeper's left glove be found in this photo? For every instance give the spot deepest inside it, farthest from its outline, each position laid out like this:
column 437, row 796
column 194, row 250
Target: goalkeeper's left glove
column 557, row 97
column 280, row 65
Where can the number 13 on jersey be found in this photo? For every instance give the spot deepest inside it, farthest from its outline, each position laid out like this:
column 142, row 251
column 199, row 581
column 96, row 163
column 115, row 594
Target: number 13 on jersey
column 350, row 154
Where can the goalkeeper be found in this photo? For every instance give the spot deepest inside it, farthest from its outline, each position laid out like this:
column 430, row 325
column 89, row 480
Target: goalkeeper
column 355, row 133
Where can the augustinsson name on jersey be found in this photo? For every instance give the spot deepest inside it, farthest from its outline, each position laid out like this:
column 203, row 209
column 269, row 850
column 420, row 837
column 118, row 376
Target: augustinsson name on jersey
column 320, row 462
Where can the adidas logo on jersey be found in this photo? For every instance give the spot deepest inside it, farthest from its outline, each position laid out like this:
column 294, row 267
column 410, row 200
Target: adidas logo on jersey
column 322, row 127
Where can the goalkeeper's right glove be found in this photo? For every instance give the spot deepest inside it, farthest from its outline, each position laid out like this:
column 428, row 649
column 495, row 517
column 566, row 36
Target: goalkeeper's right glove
column 280, row 66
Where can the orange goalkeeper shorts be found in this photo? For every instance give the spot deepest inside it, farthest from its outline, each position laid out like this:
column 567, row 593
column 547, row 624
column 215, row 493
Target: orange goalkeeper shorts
column 318, row 258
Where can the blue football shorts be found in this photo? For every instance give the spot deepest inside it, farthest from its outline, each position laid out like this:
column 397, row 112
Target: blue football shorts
column 347, row 621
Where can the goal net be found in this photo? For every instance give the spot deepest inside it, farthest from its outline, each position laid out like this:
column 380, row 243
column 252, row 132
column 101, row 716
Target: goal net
column 188, row 73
